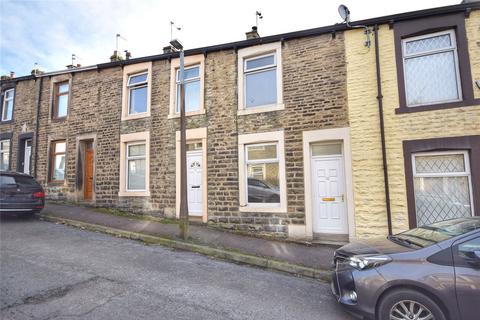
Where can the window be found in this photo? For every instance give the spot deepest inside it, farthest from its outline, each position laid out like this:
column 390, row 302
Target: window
column 442, row 186
column 57, row 161
column 192, row 89
column 136, row 163
column 260, row 74
column 260, row 85
column 7, row 109
column 137, row 93
column 262, row 172
column 4, row 155
column 60, row 109
column 431, row 69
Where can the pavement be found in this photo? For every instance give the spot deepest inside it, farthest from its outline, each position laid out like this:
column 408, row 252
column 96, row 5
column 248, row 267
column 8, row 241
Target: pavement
column 52, row 271
column 315, row 258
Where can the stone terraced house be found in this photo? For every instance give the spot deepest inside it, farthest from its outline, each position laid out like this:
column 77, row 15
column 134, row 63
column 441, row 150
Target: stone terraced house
column 295, row 134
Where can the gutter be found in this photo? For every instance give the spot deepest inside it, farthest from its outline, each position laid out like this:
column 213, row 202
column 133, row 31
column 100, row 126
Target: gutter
column 37, row 125
column 382, row 131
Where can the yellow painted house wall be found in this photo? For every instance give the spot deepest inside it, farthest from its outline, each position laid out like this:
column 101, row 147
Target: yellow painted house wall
column 370, row 205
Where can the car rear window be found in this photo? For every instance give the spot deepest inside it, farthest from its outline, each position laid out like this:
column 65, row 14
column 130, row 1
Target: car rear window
column 20, row 180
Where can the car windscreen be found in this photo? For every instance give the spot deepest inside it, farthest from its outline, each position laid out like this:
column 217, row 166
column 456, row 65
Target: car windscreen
column 427, row 235
column 23, row 181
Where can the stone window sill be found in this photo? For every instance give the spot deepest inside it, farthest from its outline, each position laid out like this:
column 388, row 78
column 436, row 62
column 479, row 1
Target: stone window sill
column 188, row 114
column 260, row 109
column 134, row 193
column 439, row 106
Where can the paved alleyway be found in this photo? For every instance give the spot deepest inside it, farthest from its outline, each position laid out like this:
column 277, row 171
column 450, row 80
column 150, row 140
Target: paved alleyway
column 51, row 271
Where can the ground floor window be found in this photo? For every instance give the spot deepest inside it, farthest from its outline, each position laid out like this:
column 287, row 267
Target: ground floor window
column 57, row 161
column 262, row 173
column 442, row 186
column 4, row 155
column 136, row 163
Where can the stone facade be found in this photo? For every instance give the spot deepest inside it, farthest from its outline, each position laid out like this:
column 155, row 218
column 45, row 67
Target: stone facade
column 369, row 189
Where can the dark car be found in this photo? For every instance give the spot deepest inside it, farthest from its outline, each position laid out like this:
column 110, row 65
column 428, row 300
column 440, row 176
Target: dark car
column 431, row 272
column 20, row 194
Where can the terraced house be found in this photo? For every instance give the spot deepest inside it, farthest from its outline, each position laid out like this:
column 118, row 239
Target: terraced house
column 310, row 134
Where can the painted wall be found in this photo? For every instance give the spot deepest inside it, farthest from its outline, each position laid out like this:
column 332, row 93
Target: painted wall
column 370, row 206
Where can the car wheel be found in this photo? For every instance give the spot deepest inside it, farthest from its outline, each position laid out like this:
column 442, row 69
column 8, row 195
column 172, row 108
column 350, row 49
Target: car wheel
column 406, row 304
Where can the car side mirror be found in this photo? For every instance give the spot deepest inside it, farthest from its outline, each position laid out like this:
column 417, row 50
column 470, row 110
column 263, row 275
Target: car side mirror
column 471, row 256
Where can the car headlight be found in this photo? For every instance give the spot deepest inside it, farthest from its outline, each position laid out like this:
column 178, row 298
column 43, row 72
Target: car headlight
column 361, row 262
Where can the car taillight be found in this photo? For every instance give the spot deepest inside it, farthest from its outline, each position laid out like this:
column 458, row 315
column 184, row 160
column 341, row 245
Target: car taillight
column 39, row 194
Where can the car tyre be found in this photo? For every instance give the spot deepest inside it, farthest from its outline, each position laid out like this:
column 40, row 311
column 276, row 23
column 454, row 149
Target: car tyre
column 395, row 301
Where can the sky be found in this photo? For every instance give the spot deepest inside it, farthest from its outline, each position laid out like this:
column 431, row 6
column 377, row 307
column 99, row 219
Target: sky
column 48, row 32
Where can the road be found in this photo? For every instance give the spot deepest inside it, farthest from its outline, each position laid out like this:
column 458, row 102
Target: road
column 51, row 271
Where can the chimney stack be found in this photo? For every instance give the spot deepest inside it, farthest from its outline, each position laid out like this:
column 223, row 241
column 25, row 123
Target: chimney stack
column 252, row 34
column 12, row 74
column 128, row 55
column 115, row 56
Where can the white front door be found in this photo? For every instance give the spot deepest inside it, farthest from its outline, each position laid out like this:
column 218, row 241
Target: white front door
column 328, row 186
column 194, row 183
column 26, row 156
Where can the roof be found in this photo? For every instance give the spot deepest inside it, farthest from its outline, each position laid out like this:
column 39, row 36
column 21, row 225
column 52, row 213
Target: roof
column 339, row 27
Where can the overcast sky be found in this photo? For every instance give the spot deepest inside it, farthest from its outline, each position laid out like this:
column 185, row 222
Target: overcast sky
column 49, row 31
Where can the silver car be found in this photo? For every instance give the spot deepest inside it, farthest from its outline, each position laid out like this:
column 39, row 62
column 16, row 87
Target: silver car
column 427, row 273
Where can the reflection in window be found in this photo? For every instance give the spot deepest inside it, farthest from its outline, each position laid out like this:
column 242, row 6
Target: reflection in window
column 263, row 173
column 57, row 172
column 136, row 163
column 192, row 89
column 138, row 93
column 260, row 75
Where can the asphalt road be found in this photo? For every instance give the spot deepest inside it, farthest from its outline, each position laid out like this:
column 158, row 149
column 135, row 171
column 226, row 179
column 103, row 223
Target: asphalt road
column 50, row 271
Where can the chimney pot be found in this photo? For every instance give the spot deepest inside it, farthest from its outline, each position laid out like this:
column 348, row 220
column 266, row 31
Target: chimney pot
column 253, row 34
column 12, row 74
column 167, row 49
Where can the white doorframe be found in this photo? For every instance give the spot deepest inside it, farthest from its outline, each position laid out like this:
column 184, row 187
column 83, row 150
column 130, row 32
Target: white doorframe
column 195, row 153
column 29, row 158
column 325, row 135
column 193, row 134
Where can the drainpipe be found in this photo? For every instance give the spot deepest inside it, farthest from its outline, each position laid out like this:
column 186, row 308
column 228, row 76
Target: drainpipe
column 37, row 123
column 382, row 131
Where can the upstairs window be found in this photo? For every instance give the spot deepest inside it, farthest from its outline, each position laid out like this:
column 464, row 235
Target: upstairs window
column 137, row 86
column 431, row 69
column 57, row 161
column 60, row 107
column 4, row 155
column 7, row 108
column 192, row 89
column 260, row 80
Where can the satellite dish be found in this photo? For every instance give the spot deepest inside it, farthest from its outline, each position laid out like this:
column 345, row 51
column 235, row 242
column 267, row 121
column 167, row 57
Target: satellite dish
column 344, row 13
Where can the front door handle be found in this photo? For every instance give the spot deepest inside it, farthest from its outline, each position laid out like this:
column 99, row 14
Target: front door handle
column 195, row 187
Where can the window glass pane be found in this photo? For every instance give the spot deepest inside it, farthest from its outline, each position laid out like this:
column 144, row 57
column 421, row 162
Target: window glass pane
column 467, row 249
column 189, row 73
column 446, row 163
column 257, row 152
column 139, row 78
column 260, row 62
column 441, row 198
column 194, row 146
column 9, row 94
column 59, row 167
column 263, row 183
column 4, row 145
column 63, row 88
column 59, row 147
column 192, row 96
column 25, row 181
column 8, row 112
column 261, row 88
column 428, row 44
column 62, row 106
column 136, row 174
column 6, row 180
column 4, row 160
column 431, row 78
column 326, row 149
column 136, row 150
column 138, row 100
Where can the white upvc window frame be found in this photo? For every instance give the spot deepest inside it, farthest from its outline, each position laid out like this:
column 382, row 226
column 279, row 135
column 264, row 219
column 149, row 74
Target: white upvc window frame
column 264, row 162
column 127, row 167
column 126, row 140
column 131, row 71
column 4, row 104
column 265, row 138
column 190, row 80
column 130, row 87
column 453, row 48
column 252, row 53
column 6, row 151
column 466, row 173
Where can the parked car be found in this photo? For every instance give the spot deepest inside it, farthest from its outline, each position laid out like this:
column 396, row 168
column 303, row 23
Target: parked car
column 20, row 194
column 431, row 272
